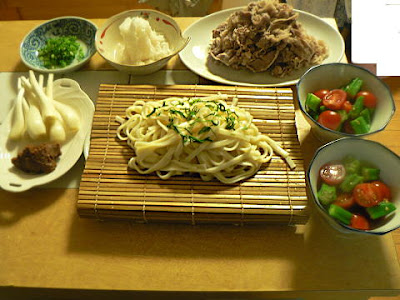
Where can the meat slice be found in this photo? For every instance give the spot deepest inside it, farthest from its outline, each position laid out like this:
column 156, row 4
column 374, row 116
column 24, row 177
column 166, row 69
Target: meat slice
column 38, row 158
column 266, row 36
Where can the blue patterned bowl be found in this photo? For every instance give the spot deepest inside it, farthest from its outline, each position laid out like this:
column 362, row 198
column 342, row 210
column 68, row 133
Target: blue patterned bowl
column 83, row 29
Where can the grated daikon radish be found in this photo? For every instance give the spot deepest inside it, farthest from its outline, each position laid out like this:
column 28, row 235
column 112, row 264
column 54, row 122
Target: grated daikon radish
column 140, row 43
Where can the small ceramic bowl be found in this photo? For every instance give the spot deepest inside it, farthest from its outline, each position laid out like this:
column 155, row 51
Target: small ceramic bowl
column 83, row 29
column 383, row 158
column 108, row 39
column 334, row 76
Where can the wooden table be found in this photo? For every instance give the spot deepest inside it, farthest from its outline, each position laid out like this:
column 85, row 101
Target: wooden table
column 47, row 250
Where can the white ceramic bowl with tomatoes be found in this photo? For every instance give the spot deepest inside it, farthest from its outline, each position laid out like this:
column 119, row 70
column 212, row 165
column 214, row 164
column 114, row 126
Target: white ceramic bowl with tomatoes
column 328, row 82
column 376, row 155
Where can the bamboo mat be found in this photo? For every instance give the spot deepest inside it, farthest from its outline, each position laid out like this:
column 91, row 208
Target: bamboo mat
column 109, row 190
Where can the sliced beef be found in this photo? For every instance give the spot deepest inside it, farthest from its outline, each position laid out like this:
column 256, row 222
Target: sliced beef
column 265, row 36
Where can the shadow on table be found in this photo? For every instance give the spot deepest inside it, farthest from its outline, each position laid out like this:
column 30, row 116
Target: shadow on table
column 16, row 206
column 305, row 257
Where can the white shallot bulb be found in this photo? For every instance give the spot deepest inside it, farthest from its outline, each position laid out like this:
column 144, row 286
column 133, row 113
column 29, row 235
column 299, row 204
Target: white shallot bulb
column 18, row 120
column 34, row 123
column 56, row 130
column 70, row 117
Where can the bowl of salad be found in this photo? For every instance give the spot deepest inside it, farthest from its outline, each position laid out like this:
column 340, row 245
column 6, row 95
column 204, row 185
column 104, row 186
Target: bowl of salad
column 355, row 186
column 344, row 100
column 60, row 45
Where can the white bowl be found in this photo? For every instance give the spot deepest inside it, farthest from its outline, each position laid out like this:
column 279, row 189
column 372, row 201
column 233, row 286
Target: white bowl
column 336, row 75
column 108, row 37
column 383, row 158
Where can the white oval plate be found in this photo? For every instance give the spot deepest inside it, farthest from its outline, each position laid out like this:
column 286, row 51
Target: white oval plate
column 14, row 180
column 195, row 54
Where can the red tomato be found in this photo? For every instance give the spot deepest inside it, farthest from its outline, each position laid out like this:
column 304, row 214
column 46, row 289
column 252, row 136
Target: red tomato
column 347, row 106
column 330, row 119
column 334, row 99
column 369, row 99
column 332, row 173
column 367, row 194
column 345, row 200
column 359, row 222
column 383, row 189
column 321, row 93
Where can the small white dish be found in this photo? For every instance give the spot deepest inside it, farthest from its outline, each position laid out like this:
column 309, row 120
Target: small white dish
column 195, row 54
column 334, row 76
column 12, row 179
column 108, row 38
column 383, row 158
column 83, row 29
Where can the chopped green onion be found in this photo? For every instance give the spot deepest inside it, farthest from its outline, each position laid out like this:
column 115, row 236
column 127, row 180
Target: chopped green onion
column 60, row 52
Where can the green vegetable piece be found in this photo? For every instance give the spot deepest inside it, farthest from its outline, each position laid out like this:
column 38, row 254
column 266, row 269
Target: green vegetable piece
column 312, row 102
column 353, row 87
column 351, row 164
column 322, row 108
column 350, row 181
column 314, row 115
column 366, row 114
column 358, row 106
column 370, row 173
column 339, row 213
column 381, row 209
column 343, row 115
column 371, row 111
column 326, row 194
column 60, row 52
column 360, row 125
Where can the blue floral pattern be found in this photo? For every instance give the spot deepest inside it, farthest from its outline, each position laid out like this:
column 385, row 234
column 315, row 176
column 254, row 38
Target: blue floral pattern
column 36, row 39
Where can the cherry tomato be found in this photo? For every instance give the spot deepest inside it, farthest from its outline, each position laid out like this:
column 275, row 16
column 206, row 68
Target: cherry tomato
column 330, row 119
column 369, row 99
column 345, row 200
column 332, row 173
column 321, row 93
column 367, row 194
column 347, row 127
column 383, row 189
column 334, row 99
column 359, row 222
column 347, row 106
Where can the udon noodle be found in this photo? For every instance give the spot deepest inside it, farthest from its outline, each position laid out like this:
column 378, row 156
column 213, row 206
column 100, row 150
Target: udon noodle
column 196, row 135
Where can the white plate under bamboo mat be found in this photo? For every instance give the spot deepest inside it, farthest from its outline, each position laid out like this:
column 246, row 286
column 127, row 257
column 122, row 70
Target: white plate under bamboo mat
column 109, row 190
